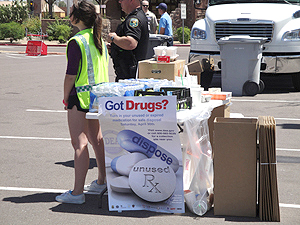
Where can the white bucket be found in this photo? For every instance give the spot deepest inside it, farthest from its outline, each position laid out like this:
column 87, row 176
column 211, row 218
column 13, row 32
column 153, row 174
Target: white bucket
column 196, row 91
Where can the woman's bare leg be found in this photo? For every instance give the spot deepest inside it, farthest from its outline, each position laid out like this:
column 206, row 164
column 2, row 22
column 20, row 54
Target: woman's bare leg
column 78, row 127
column 96, row 139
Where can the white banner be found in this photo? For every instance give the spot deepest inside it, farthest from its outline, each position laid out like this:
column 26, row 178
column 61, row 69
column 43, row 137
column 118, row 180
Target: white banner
column 143, row 153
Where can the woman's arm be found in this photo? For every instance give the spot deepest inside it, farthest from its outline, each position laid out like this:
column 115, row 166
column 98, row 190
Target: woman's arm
column 68, row 85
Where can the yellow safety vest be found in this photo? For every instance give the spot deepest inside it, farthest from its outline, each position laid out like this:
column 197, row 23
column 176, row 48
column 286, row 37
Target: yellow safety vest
column 93, row 67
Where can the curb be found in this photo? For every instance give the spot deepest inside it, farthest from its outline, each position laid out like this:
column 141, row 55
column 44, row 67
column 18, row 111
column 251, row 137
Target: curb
column 48, row 53
column 15, row 44
column 64, row 45
column 182, row 45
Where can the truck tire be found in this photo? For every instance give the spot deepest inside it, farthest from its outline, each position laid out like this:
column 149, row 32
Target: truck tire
column 261, row 86
column 207, row 73
column 206, row 78
column 251, row 88
column 296, row 81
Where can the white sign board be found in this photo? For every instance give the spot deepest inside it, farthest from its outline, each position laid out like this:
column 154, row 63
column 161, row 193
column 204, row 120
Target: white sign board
column 143, row 153
column 183, row 11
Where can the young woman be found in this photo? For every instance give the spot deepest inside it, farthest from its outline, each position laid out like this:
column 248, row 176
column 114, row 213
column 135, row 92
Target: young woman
column 87, row 65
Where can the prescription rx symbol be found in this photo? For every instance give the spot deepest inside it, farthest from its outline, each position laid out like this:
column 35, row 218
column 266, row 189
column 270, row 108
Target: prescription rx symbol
column 150, row 182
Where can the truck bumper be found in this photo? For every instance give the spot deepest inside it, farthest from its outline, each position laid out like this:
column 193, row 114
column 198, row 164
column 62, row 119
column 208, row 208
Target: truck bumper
column 271, row 64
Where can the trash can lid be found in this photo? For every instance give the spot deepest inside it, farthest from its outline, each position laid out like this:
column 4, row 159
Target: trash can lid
column 242, row 38
column 158, row 37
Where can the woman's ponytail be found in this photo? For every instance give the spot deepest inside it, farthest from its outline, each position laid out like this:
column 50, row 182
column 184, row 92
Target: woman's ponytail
column 97, row 32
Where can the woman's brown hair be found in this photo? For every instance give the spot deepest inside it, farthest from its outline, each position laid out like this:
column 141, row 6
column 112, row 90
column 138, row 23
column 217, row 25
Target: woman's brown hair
column 86, row 12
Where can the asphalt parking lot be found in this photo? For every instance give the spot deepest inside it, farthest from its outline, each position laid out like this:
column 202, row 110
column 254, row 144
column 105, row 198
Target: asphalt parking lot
column 36, row 160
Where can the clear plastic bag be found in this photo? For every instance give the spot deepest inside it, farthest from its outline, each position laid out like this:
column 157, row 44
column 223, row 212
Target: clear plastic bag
column 198, row 163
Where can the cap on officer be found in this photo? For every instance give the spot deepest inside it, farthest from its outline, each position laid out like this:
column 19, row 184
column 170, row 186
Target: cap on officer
column 162, row 6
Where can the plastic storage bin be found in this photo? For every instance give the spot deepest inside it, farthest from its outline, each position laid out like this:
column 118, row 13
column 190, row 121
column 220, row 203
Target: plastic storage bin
column 240, row 67
column 156, row 40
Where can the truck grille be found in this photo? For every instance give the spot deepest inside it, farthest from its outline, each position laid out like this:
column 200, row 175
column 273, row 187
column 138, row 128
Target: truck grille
column 253, row 30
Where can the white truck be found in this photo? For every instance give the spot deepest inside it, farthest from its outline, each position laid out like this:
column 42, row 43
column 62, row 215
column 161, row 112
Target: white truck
column 276, row 20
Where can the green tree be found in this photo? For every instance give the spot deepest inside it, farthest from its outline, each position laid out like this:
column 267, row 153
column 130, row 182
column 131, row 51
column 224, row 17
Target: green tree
column 50, row 4
column 62, row 4
column 16, row 12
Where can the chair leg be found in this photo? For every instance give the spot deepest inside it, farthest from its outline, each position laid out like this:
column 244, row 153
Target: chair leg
column 100, row 197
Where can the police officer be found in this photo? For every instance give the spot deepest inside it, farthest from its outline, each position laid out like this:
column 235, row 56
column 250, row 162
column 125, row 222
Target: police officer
column 129, row 43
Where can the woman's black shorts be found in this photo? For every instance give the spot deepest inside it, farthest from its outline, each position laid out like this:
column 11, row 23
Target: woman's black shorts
column 73, row 100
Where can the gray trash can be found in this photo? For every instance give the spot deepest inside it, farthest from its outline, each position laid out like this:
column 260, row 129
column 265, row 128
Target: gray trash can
column 240, row 64
column 156, row 40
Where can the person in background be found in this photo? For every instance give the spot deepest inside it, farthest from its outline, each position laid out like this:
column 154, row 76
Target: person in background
column 87, row 65
column 152, row 21
column 165, row 23
column 129, row 44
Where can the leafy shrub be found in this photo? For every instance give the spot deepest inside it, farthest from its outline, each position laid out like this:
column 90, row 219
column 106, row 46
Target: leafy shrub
column 1, row 32
column 33, row 25
column 59, row 28
column 61, row 39
column 12, row 30
column 187, row 34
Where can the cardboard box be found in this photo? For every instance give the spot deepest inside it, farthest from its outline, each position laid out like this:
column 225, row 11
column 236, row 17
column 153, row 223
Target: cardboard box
column 220, row 111
column 235, row 167
column 153, row 69
column 195, row 69
column 195, row 66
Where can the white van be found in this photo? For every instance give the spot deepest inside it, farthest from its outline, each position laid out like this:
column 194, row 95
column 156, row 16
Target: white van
column 277, row 20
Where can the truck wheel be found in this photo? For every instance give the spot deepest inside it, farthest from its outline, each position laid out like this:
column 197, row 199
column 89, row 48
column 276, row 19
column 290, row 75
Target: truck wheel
column 261, row 86
column 251, row 88
column 206, row 78
column 296, row 81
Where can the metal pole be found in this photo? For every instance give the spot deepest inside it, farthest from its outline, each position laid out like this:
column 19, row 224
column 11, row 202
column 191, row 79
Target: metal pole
column 183, row 31
column 68, row 8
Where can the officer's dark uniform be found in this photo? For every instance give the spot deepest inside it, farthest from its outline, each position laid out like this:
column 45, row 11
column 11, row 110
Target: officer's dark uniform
column 125, row 61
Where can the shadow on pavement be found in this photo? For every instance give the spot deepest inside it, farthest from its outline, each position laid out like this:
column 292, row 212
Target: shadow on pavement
column 288, row 159
column 34, row 198
column 91, row 207
column 70, row 163
column 290, row 126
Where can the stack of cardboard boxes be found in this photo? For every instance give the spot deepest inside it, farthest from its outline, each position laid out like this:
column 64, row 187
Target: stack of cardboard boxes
column 160, row 70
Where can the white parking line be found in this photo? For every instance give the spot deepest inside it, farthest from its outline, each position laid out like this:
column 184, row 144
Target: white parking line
column 290, row 119
column 45, row 110
column 289, row 206
column 288, row 149
column 44, row 190
column 68, row 139
column 257, row 100
column 32, row 189
column 35, row 138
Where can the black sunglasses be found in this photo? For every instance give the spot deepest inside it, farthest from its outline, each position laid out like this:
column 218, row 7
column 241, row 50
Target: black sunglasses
column 146, row 5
